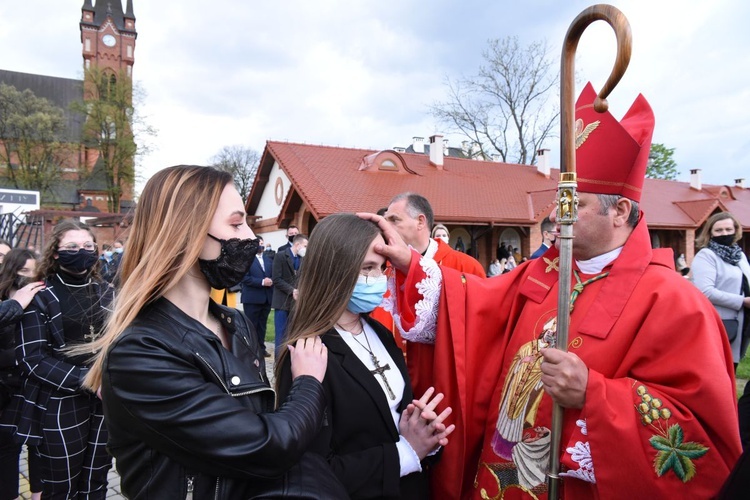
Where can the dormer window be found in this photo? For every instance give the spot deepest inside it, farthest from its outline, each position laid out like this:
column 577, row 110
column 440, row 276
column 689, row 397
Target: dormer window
column 386, row 161
column 388, row 164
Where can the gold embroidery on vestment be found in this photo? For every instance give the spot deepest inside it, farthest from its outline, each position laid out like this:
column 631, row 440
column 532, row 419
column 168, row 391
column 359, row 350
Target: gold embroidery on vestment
column 551, row 264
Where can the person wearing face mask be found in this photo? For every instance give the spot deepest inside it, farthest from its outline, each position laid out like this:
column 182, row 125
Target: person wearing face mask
column 721, row 272
column 373, row 436
column 257, row 293
column 440, row 232
column 17, row 290
column 291, row 232
column 189, row 409
column 286, row 266
column 54, row 412
column 105, row 259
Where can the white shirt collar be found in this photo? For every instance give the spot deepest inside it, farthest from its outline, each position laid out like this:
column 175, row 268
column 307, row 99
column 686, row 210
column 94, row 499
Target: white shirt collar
column 432, row 248
column 595, row 265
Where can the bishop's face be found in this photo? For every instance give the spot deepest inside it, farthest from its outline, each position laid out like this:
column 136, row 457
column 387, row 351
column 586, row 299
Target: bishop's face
column 593, row 233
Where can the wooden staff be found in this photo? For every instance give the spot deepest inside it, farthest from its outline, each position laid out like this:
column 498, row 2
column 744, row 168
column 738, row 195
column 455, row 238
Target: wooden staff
column 567, row 197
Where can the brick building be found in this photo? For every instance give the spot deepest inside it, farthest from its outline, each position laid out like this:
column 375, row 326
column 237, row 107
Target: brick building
column 108, row 38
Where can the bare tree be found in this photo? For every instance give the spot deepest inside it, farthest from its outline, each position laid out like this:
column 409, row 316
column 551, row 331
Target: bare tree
column 504, row 108
column 242, row 163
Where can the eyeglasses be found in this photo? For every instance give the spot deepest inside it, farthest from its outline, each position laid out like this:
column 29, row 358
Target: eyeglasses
column 372, row 274
column 89, row 246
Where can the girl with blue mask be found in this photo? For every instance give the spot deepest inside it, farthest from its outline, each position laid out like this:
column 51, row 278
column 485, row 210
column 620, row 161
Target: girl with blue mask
column 370, row 399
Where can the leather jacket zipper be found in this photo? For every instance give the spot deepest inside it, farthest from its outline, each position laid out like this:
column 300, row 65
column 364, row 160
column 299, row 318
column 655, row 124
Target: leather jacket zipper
column 190, row 487
column 216, row 493
column 226, row 389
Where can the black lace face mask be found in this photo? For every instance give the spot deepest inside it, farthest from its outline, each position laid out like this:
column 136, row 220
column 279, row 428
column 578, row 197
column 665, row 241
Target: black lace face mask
column 232, row 264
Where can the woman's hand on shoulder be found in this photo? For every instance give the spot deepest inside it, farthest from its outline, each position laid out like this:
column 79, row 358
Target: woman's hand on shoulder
column 25, row 295
column 309, row 357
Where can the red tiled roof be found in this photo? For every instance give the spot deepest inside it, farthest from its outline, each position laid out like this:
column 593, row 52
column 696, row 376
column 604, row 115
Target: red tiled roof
column 328, row 180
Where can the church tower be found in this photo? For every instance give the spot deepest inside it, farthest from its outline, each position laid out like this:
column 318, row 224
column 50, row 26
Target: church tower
column 108, row 35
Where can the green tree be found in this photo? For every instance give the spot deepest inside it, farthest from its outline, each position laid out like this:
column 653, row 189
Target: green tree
column 113, row 127
column 242, row 163
column 661, row 165
column 504, row 109
column 31, row 130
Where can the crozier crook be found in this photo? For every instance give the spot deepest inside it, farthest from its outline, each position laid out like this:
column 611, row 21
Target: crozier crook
column 567, row 197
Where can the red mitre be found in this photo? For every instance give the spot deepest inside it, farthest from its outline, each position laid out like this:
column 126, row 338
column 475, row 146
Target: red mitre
column 611, row 157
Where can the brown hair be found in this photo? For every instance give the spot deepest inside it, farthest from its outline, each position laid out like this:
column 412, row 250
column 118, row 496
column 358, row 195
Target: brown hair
column 329, row 271
column 12, row 263
column 170, row 224
column 47, row 265
column 705, row 234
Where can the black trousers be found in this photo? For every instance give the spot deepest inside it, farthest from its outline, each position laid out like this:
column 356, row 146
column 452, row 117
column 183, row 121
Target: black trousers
column 74, row 458
column 258, row 316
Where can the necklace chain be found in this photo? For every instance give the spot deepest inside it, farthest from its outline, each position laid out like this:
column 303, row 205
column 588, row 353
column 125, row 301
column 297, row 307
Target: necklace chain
column 379, row 370
column 70, row 285
column 87, row 313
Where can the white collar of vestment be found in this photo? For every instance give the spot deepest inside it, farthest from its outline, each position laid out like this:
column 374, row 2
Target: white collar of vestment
column 432, row 248
column 595, row 265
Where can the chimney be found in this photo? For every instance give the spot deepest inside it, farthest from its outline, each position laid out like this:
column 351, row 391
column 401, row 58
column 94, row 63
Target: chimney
column 418, row 144
column 542, row 162
column 465, row 148
column 436, row 151
column 740, row 183
column 496, row 157
column 695, row 179
column 399, row 149
column 446, row 149
column 475, row 153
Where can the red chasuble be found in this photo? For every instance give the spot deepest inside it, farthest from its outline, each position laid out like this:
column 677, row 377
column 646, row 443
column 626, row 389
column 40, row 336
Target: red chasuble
column 660, row 417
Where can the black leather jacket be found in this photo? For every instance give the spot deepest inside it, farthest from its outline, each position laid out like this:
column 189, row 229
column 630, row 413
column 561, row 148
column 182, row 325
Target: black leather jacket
column 186, row 416
column 10, row 314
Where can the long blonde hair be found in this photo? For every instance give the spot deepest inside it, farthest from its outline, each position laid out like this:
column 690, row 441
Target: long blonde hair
column 329, row 271
column 170, row 225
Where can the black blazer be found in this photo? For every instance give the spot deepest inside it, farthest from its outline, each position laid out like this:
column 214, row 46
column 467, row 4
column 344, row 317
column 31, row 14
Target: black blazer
column 359, row 436
column 253, row 291
column 284, row 280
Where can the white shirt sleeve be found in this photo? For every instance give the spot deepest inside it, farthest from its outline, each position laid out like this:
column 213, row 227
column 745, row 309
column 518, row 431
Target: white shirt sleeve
column 407, row 457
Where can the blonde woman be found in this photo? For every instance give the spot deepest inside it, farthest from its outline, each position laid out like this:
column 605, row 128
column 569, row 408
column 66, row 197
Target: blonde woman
column 440, row 232
column 189, row 409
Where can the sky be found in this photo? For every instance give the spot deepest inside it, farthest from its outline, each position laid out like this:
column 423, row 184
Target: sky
column 363, row 73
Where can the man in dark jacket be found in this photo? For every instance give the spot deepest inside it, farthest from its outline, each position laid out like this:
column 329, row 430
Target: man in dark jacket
column 257, row 293
column 285, row 267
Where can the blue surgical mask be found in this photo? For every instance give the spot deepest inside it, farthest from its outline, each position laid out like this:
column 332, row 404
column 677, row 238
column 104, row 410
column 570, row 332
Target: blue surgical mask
column 107, row 254
column 368, row 294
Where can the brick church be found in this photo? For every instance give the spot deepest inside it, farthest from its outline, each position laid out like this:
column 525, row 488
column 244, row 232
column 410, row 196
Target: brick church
column 108, row 40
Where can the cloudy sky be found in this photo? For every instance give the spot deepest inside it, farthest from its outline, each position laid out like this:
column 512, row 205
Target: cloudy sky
column 362, row 73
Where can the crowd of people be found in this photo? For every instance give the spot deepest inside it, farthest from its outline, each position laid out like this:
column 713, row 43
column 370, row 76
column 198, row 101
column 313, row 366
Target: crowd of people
column 402, row 368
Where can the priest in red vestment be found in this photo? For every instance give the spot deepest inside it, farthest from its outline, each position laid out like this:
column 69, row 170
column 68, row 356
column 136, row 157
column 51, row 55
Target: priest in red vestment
column 647, row 383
